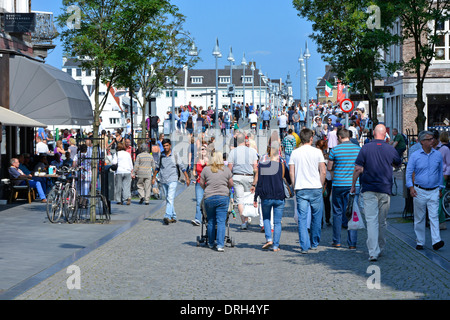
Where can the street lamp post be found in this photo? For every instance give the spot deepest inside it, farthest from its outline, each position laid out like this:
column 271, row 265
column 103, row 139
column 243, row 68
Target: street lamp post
column 231, row 60
column 252, row 67
column 260, row 75
column 244, row 64
column 307, row 56
column 216, row 53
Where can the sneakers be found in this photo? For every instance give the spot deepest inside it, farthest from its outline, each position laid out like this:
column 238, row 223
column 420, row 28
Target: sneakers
column 195, row 223
column 372, row 258
column 220, row 249
column 244, row 226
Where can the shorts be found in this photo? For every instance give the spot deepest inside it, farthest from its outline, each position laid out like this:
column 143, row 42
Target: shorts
column 241, row 184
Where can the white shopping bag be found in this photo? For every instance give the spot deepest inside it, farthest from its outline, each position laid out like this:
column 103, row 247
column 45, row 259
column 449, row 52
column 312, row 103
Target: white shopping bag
column 249, row 209
column 356, row 221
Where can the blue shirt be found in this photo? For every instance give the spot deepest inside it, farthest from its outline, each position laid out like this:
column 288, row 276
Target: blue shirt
column 184, row 116
column 377, row 158
column 266, row 115
column 428, row 169
column 344, row 155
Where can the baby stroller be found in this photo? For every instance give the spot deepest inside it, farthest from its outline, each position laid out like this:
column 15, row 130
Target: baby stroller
column 203, row 238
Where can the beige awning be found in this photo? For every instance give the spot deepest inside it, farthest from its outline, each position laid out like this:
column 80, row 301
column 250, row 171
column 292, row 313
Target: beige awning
column 11, row 118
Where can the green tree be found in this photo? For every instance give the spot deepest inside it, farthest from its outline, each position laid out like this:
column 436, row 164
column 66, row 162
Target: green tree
column 158, row 47
column 349, row 43
column 420, row 20
column 105, row 40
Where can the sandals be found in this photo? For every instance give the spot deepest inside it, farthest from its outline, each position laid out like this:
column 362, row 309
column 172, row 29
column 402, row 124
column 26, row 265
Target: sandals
column 267, row 245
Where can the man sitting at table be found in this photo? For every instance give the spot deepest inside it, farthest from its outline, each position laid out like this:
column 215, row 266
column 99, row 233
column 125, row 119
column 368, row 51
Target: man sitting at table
column 16, row 173
column 24, row 160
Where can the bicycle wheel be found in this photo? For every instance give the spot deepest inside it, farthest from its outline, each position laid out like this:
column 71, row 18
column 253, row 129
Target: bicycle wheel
column 446, row 204
column 103, row 208
column 54, row 208
column 70, row 205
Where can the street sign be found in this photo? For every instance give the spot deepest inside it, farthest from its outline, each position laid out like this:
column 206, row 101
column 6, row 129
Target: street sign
column 347, row 105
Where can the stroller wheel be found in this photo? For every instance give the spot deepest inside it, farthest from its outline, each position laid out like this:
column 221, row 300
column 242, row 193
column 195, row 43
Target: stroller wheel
column 198, row 241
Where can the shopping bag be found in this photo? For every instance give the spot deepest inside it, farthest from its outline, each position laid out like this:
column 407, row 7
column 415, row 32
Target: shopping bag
column 249, row 209
column 356, row 221
column 349, row 209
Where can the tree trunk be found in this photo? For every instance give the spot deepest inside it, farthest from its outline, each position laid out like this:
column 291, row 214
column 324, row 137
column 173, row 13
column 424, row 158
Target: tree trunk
column 420, row 106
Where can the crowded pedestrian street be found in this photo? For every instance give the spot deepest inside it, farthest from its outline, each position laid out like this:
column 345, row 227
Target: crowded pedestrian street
column 308, row 161
column 150, row 258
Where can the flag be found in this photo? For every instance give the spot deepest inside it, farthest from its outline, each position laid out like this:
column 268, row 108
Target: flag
column 328, row 88
column 340, row 92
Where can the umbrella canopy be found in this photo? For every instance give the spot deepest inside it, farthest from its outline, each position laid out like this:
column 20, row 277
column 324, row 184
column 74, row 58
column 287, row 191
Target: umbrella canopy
column 11, row 118
column 47, row 94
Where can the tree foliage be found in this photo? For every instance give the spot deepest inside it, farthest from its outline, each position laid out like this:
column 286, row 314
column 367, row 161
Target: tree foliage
column 106, row 40
column 346, row 41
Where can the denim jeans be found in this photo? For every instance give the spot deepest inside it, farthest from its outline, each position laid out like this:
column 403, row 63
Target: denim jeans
column 216, row 211
column 169, row 191
column 198, row 196
column 297, row 127
column 339, row 202
column 314, row 199
column 38, row 186
column 278, row 208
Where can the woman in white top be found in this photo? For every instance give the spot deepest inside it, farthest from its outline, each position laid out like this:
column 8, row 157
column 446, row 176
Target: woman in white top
column 123, row 175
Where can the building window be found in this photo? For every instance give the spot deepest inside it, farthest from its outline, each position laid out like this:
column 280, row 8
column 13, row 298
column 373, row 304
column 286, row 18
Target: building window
column 248, row 79
column 169, row 94
column 78, row 72
column 196, row 80
column 224, row 80
column 88, row 72
column 442, row 45
column 69, row 71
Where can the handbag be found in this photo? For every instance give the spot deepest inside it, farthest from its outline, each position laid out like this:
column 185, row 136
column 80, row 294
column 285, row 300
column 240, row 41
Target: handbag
column 349, row 209
column 288, row 191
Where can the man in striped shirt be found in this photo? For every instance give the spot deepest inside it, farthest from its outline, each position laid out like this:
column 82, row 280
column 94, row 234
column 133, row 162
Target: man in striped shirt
column 342, row 163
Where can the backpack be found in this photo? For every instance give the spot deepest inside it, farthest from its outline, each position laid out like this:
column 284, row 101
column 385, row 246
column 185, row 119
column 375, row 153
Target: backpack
column 405, row 137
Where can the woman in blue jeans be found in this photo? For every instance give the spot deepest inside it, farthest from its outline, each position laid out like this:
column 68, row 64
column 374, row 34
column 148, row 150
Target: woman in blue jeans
column 270, row 189
column 198, row 166
column 216, row 179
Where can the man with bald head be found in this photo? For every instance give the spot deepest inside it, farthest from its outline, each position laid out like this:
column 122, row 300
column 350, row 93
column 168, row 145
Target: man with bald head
column 374, row 168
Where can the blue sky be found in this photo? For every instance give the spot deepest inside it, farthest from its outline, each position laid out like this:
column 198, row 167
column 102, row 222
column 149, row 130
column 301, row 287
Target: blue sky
column 269, row 32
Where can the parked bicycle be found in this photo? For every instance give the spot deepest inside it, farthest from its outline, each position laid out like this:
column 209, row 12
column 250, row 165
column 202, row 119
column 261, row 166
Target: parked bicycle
column 55, row 203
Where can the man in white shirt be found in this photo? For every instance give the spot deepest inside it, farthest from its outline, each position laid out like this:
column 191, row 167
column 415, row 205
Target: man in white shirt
column 282, row 124
column 253, row 118
column 307, row 172
column 41, row 147
column 243, row 163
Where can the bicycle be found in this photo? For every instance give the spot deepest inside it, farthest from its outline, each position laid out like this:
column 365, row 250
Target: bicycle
column 71, row 197
column 55, row 198
column 446, row 204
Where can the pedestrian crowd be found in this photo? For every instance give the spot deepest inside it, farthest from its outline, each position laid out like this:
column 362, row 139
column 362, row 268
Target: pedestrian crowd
column 324, row 165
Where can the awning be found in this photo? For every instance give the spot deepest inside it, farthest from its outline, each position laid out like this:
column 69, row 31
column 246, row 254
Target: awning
column 47, row 94
column 11, row 118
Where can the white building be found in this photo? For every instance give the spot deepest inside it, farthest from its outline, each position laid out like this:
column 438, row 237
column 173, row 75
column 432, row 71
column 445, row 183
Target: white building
column 197, row 87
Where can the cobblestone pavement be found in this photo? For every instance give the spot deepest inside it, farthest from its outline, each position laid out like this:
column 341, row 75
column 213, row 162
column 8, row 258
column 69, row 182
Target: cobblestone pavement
column 155, row 261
